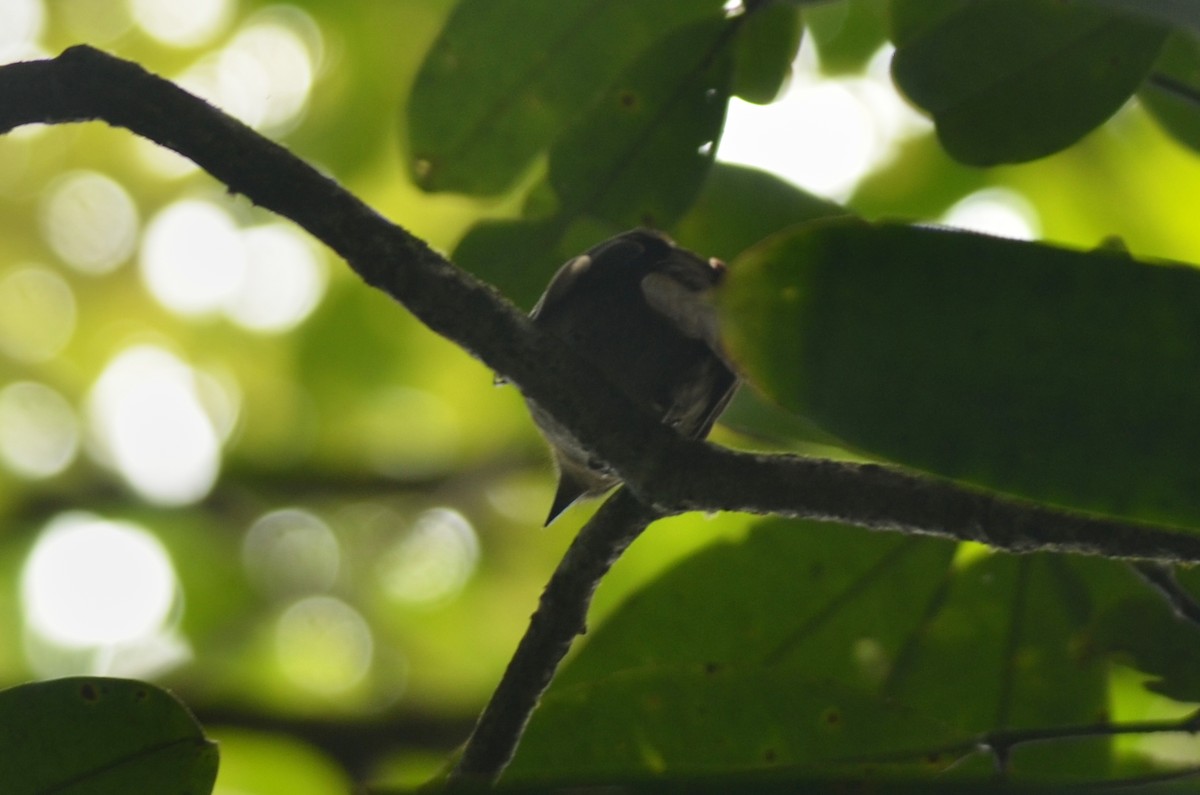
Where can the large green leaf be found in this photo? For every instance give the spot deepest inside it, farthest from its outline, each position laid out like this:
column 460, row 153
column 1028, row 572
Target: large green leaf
column 1171, row 94
column 1180, row 13
column 1007, row 648
column 831, row 651
column 765, row 50
column 1156, row 643
column 640, row 154
column 1062, row 376
column 1013, row 80
column 638, row 157
column 846, row 34
column 94, row 736
column 739, row 206
column 506, row 77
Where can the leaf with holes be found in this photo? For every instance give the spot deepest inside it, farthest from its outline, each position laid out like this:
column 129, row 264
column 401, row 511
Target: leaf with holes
column 96, row 736
column 639, row 156
column 506, row 77
column 833, row 651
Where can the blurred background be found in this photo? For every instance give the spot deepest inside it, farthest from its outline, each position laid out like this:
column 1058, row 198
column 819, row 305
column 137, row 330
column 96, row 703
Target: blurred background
column 229, row 467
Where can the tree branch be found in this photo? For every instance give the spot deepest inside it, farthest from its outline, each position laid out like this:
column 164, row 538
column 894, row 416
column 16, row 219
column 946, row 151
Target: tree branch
column 661, row 469
column 561, row 615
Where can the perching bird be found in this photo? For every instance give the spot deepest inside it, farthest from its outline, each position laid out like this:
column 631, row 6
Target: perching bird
column 637, row 307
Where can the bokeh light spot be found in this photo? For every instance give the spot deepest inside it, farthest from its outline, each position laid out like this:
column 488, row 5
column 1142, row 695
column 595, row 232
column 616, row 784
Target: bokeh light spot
column 324, row 645
column 21, row 23
column 97, row 22
column 265, row 74
column 182, row 23
column 431, row 563
column 995, row 211
column 785, row 138
column 283, row 282
column 90, row 221
column 37, row 314
column 291, row 551
column 147, row 417
column 192, row 258
column 39, row 434
column 407, row 432
column 824, row 134
column 89, row 582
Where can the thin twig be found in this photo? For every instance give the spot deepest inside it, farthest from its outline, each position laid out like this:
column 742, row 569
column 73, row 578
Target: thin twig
column 1001, row 742
column 561, row 616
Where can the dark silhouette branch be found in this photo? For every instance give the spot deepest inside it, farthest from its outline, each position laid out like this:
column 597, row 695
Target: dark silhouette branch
column 560, row 617
column 663, row 470
column 1001, row 743
column 664, row 473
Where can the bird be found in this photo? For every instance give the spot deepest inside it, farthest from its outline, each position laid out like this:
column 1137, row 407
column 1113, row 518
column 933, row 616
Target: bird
column 638, row 308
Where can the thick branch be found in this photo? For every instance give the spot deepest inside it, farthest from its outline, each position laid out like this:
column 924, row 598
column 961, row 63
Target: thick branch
column 661, row 469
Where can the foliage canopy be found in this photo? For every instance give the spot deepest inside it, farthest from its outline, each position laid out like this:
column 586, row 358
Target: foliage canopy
column 352, row 560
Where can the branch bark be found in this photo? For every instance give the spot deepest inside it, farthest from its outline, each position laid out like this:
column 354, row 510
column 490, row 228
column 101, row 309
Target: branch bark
column 662, row 470
column 560, row 616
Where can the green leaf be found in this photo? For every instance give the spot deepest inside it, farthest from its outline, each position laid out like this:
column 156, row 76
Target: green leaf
column 766, row 47
column 1007, row 649
column 1172, row 94
column 1062, row 376
column 846, row 34
column 516, row 256
column 1180, row 13
column 739, row 206
column 1008, row 81
column 505, row 78
column 95, row 736
column 639, row 156
column 746, row 655
column 830, row 650
column 1156, row 642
